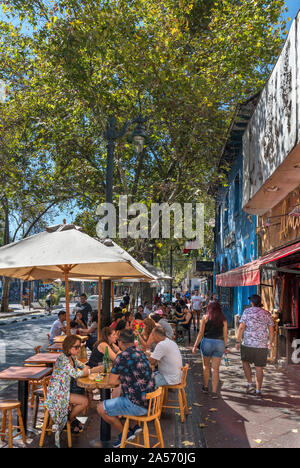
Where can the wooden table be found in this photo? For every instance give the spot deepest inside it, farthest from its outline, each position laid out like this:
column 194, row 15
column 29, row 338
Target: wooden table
column 61, row 338
column 55, row 347
column 43, row 358
column 89, row 384
column 23, row 375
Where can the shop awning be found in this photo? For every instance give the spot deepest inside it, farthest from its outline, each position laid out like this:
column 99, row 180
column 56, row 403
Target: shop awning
column 249, row 274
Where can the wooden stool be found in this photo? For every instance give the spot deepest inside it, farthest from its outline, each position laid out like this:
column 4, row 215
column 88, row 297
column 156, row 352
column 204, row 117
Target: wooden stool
column 154, row 412
column 181, row 395
column 47, row 427
column 7, row 407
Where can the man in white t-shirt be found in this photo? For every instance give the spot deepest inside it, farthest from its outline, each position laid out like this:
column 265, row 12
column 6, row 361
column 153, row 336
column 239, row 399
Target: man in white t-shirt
column 196, row 306
column 168, row 358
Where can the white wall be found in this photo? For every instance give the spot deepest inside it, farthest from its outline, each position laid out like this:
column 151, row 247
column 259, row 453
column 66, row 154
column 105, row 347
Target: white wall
column 273, row 130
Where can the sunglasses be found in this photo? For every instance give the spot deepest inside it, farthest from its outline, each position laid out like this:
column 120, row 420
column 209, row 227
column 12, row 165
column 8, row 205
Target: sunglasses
column 76, row 347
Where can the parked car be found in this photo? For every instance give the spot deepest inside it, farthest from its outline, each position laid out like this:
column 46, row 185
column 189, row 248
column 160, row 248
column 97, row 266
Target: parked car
column 93, row 301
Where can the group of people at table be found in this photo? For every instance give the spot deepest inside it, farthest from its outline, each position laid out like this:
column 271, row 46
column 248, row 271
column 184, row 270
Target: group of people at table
column 144, row 355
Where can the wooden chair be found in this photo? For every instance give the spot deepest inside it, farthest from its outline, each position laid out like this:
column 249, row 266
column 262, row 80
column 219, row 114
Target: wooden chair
column 40, row 394
column 154, row 412
column 8, row 407
column 47, row 427
column 33, row 385
column 181, row 395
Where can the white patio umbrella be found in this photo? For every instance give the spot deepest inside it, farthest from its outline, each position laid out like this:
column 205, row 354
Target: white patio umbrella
column 64, row 252
column 159, row 274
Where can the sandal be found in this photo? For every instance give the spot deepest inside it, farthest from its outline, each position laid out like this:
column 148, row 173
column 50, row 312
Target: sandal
column 76, row 427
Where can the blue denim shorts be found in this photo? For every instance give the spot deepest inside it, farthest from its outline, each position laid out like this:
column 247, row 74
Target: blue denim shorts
column 122, row 405
column 159, row 379
column 212, row 348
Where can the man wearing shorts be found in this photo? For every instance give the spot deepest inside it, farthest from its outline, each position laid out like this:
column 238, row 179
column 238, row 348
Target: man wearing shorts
column 257, row 325
column 196, row 305
column 133, row 371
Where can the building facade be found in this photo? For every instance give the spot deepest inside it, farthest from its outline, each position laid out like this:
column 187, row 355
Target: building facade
column 271, row 191
column 235, row 230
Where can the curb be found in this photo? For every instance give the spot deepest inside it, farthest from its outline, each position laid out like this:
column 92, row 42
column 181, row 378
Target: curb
column 21, row 314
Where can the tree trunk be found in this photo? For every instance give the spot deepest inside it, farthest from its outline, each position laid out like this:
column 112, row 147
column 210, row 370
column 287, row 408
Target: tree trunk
column 5, row 294
column 134, row 297
column 5, row 281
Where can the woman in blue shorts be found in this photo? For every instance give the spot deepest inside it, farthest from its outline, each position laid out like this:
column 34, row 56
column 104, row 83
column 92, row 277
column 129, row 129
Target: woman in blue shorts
column 213, row 339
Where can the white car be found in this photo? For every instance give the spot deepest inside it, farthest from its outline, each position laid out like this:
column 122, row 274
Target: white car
column 93, row 301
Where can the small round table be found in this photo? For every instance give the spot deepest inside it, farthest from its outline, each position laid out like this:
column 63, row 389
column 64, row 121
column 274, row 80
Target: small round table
column 90, row 384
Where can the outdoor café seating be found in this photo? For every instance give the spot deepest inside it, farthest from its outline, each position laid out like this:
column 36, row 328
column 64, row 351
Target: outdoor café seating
column 182, row 402
column 7, row 408
column 154, row 412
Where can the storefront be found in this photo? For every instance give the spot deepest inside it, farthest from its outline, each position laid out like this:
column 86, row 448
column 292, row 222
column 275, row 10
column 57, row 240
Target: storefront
column 279, row 230
column 276, row 273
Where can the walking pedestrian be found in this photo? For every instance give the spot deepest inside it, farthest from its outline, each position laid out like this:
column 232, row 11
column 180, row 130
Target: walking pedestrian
column 196, row 304
column 213, row 338
column 257, row 326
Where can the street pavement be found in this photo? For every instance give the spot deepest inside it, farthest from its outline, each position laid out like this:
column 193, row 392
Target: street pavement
column 18, row 338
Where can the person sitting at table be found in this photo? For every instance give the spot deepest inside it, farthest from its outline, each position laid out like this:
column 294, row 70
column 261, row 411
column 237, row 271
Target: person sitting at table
column 161, row 320
column 58, row 326
column 73, row 327
column 147, row 309
column 121, row 325
column 85, row 308
column 108, row 338
column 79, row 320
column 63, row 391
column 117, row 310
column 91, row 332
column 179, row 314
column 133, row 371
column 145, row 336
column 184, row 324
column 167, row 357
column 116, row 320
column 128, row 319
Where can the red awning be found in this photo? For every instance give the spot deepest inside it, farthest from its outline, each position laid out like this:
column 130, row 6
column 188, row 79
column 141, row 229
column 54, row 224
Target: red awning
column 249, row 274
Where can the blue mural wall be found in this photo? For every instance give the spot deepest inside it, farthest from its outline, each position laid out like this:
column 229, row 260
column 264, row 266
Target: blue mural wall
column 235, row 240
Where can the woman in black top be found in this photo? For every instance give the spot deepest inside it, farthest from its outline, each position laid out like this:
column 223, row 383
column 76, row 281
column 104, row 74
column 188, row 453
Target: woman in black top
column 213, row 339
column 108, row 338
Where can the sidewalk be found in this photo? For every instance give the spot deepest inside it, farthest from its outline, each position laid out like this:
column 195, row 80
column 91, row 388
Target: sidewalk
column 236, row 420
column 245, row 421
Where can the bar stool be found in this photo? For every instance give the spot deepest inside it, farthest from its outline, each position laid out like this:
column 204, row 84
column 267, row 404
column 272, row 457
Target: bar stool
column 181, row 395
column 47, row 427
column 7, row 407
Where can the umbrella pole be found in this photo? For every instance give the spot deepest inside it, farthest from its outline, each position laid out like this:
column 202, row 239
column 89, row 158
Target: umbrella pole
column 112, row 298
column 99, row 307
column 67, row 301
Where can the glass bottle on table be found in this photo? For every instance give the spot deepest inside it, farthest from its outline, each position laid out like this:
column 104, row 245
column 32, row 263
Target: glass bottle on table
column 139, row 345
column 106, row 361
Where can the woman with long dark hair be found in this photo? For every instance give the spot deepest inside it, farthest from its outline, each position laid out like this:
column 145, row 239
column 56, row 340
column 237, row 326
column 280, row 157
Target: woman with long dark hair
column 213, row 338
column 108, row 338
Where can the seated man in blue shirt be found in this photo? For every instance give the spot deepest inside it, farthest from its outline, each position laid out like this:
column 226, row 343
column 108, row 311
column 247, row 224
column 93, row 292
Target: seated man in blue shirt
column 133, row 371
